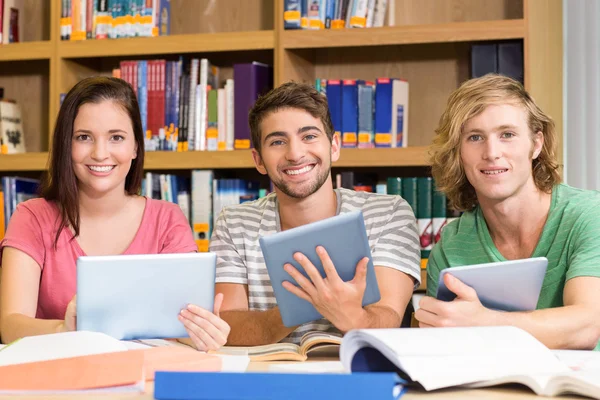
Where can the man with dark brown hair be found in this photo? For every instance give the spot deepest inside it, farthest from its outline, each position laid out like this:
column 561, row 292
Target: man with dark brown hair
column 294, row 144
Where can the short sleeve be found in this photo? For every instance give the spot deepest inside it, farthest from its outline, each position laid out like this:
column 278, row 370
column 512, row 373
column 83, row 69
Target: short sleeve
column 435, row 264
column 230, row 265
column 178, row 237
column 398, row 244
column 25, row 233
column 584, row 257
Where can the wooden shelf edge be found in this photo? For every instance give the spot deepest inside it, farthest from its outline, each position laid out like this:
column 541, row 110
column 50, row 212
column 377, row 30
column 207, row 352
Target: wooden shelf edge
column 174, row 44
column 39, row 50
column 238, row 159
column 406, row 34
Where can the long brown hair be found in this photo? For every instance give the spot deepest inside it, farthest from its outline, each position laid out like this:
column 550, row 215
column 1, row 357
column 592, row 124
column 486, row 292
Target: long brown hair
column 468, row 101
column 60, row 183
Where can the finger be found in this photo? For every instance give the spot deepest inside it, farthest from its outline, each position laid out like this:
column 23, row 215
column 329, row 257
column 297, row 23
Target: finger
column 311, row 271
column 301, row 280
column 208, row 321
column 290, row 287
column 424, row 325
column 461, row 290
column 198, row 343
column 360, row 276
column 328, row 266
column 211, row 342
column 426, row 317
column 218, row 303
column 432, row 305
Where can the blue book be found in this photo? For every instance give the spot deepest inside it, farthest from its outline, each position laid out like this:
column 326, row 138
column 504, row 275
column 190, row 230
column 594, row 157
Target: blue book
column 233, row 386
column 383, row 112
column 349, row 113
column 142, row 90
column 291, row 14
column 334, row 99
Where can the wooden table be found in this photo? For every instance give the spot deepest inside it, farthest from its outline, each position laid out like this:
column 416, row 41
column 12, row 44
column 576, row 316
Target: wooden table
column 503, row 393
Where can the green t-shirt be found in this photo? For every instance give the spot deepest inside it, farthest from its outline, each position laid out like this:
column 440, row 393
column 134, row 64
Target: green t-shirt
column 570, row 241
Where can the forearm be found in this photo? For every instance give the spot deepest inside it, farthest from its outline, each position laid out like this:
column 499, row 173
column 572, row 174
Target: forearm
column 569, row 327
column 253, row 328
column 16, row 326
column 375, row 316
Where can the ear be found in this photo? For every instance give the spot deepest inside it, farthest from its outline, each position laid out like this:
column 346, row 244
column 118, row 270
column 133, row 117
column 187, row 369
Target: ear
column 335, row 147
column 538, row 144
column 135, row 149
column 258, row 162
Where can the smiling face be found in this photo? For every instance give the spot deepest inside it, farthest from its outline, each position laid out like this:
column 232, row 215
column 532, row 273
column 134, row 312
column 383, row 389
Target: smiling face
column 103, row 147
column 295, row 153
column 496, row 150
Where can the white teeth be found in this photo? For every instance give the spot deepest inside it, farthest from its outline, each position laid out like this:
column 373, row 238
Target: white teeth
column 299, row 171
column 495, row 172
column 100, row 169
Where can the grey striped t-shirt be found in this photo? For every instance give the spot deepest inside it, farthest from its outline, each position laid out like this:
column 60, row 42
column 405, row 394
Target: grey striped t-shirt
column 389, row 221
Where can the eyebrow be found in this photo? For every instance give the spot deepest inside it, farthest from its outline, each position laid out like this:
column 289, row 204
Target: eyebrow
column 284, row 134
column 87, row 131
column 498, row 128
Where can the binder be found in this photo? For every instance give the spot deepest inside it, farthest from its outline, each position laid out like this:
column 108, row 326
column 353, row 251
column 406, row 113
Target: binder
column 249, row 386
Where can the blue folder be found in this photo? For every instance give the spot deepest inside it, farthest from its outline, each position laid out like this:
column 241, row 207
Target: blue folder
column 264, row 386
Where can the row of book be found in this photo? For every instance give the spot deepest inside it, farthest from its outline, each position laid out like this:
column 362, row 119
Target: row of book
column 368, row 114
column 15, row 190
column 184, row 109
column 12, row 21
column 334, row 14
column 114, row 19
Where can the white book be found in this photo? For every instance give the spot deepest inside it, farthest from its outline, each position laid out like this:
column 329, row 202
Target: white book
column 203, row 106
column 379, row 13
column 11, row 128
column 370, row 13
column 191, row 134
column 358, row 16
column 400, row 113
column 437, row 358
column 230, row 137
column 202, row 193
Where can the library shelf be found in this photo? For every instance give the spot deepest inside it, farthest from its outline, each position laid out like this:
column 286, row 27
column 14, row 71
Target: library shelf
column 38, row 50
column 24, row 162
column 405, row 34
column 174, row 44
column 237, row 159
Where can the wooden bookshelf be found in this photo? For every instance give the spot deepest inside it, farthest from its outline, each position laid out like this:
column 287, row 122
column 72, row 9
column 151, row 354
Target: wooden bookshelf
column 175, row 44
column 410, row 34
column 428, row 46
column 238, row 159
column 38, row 50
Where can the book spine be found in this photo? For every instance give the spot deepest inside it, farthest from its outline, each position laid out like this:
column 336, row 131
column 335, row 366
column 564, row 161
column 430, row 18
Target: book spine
column 314, row 14
column 230, row 113
column 424, row 214
column 370, row 13
column 379, row 14
column 222, row 119
column 400, row 112
column 383, row 112
column 191, row 131
column 202, row 199
column 329, row 13
column 165, row 18
column 292, row 14
column 365, row 115
column 438, row 214
column 212, row 129
column 349, row 113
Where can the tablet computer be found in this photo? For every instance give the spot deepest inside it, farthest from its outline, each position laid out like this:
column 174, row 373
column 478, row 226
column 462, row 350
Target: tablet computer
column 140, row 296
column 345, row 239
column 507, row 285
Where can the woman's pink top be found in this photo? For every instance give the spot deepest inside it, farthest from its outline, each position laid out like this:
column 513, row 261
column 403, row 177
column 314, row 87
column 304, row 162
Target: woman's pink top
column 32, row 229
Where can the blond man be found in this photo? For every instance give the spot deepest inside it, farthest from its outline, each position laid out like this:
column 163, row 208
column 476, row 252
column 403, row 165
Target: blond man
column 494, row 158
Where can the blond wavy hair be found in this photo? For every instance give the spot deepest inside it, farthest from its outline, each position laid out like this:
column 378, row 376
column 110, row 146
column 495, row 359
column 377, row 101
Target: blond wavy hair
column 468, row 101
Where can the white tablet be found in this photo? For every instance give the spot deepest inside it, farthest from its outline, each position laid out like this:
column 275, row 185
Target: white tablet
column 140, row 296
column 507, row 285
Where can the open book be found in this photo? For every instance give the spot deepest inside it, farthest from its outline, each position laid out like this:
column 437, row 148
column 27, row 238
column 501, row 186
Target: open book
column 438, row 358
column 313, row 344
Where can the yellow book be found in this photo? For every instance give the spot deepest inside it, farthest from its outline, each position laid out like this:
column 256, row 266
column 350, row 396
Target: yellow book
column 312, row 344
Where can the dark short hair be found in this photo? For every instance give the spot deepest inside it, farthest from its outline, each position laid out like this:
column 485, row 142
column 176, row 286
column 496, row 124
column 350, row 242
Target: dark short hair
column 289, row 95
column 60, row 183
